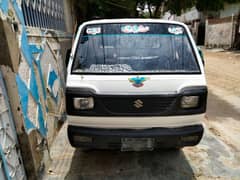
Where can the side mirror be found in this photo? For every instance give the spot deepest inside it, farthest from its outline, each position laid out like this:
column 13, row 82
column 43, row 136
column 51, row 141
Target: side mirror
column 201, row 55
column 68, row 54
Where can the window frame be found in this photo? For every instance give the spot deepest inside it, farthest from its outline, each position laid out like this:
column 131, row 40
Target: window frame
column 134, row 73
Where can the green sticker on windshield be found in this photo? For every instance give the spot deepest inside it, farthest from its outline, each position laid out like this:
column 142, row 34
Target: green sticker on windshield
column 135, row 29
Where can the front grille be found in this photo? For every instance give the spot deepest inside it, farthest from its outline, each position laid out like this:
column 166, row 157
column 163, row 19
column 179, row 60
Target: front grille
column 146, row 105
column 138, row 105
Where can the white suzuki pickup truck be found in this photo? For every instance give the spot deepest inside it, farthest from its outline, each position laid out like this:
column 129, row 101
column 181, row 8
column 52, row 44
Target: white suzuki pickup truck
column 135, row 84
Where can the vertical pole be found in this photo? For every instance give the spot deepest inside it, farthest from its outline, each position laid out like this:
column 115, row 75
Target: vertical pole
column 206, row 34
column 233, row 32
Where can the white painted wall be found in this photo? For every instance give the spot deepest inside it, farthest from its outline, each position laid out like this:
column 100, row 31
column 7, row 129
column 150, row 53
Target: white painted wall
column 219, row 35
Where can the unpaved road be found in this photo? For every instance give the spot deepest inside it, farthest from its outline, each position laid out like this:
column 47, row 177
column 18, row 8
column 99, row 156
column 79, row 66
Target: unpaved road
column 216, row 157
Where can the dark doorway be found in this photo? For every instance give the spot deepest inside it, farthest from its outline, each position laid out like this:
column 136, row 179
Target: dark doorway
column 201, row 34
column 237, row 36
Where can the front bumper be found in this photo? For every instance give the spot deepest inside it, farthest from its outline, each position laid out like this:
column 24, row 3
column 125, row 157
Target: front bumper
column 112, row 138
column 147, row 122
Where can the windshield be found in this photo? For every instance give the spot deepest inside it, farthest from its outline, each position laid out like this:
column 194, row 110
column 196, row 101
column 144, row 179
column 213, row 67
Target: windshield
column 134, row 48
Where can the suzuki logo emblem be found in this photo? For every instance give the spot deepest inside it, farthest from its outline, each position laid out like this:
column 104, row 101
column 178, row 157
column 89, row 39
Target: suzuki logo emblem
column 138, row 104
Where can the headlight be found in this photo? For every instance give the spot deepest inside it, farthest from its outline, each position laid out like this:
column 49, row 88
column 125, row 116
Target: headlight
column 189, row 102
column 83, row 103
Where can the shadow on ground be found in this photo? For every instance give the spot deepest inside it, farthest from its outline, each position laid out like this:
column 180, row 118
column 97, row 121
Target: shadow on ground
column 220, row 108
column 129, row 165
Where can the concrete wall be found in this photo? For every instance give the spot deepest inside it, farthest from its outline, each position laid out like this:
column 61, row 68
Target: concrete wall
column 11, row 166
column 224, row 31
column 32, row 63
column 220, row 32
column 70, row 19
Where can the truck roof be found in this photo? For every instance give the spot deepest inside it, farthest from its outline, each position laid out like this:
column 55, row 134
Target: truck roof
column 132, row 20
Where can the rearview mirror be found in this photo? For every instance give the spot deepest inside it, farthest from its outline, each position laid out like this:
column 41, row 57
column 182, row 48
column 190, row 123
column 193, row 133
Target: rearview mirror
column 84, row 39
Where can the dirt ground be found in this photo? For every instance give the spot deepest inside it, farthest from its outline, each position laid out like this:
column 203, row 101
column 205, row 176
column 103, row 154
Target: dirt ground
column 223, row 70
column 216, row 157
column 223, row 76
column 223, row 112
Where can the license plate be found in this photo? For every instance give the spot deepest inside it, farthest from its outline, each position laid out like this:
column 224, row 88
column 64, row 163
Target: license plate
column 137, row 144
